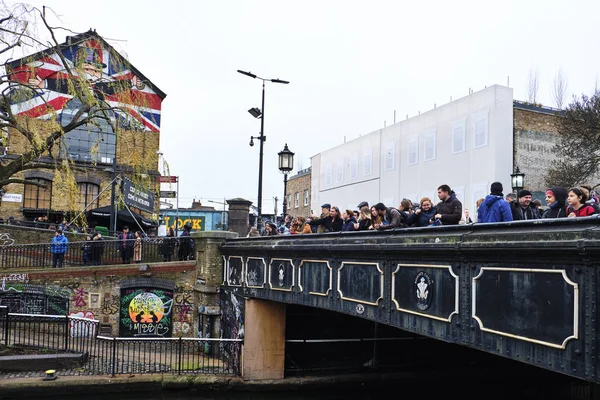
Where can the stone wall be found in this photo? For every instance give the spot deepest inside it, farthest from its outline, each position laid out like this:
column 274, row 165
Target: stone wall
column 23, row 235
column 299, row 183
column 174, row 299
column 535, row 134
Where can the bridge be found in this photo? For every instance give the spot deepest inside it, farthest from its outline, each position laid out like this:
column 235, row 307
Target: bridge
column 523, row 290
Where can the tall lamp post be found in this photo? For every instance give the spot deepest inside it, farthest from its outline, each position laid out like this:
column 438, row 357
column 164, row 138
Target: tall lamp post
column 517, row 180
column 256, row 113
column 286, row 164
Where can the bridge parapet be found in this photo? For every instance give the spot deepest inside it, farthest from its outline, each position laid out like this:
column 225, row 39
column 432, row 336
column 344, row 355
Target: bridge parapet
column 524, row 290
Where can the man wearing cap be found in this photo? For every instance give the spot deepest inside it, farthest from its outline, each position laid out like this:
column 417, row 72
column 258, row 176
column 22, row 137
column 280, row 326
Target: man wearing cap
column 323, row 223
column 494, row 208
column 362, row 204
column 522, row 208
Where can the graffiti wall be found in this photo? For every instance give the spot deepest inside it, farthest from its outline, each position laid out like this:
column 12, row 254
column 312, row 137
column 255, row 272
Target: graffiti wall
column 146, row 312
column 232, row 325
column 22, row 297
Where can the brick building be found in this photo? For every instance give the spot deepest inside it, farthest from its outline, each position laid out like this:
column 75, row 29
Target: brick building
column 91, row 149
column 298, row 193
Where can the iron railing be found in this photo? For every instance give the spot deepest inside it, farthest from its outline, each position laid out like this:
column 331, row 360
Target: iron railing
column 97, row 252
column 119, row 355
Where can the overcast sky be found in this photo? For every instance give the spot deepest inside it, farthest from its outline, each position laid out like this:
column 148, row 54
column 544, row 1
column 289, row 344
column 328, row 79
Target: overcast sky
column 350, row 64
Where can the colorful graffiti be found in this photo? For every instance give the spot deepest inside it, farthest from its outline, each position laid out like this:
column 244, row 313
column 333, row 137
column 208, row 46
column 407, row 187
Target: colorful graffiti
column 26, row 298
column 82, row 328
column 146, row 312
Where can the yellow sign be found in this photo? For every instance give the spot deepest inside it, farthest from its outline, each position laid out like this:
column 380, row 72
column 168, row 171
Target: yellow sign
column 196, row 223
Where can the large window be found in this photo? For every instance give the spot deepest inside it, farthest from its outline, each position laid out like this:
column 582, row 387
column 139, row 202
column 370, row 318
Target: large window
column 297, row 200
column 339, row 176
column 37, row 196
column 328, row 174
column 429, row 151
column 458, row 137
column 91, row 142
column 480, row 128
column 87, row 194
column 367, row 163
column 390, row 156
column 354, row 167
column 306, row 197
column 413, row 151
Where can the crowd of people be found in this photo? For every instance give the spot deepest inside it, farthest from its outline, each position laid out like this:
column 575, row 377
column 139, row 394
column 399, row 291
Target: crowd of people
column 580, row 201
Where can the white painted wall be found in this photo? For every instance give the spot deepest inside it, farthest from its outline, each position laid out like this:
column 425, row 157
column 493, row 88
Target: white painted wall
column 485, row 117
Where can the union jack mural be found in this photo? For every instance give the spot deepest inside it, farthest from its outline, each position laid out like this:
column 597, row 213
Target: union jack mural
column 112, row 79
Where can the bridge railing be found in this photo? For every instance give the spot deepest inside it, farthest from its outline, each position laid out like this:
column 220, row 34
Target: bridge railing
column 94, row 252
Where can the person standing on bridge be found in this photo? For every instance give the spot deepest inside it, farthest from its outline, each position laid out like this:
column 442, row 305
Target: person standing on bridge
column 449, row 209
column 58, row 248
column 494, row 208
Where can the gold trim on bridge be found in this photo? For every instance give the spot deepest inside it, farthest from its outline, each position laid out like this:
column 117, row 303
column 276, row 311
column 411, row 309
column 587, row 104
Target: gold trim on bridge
column 563, row 345
column 330, row 277
column 376, row 303
column 456, row 291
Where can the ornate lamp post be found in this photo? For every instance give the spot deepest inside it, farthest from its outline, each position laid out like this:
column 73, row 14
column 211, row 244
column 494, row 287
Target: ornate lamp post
column 286, row 165
column 256, row 113
column 517, row 180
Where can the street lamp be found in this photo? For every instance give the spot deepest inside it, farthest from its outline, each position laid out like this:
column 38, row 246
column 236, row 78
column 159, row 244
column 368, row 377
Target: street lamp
column 517, row 180
column 256, row 113
column 286, row 164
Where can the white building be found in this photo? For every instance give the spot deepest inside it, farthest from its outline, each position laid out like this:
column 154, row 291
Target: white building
column 466, row 144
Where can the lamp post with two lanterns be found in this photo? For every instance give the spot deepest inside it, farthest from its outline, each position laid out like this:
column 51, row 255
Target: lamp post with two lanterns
column 258, row 113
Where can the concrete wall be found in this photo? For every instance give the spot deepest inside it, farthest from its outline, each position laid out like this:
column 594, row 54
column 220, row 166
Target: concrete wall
column 380, row 166
column 22, row 235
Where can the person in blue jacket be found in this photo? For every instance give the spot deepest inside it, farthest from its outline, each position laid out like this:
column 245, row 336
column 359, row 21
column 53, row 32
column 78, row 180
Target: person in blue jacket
column 494, row 208
column 58, row 248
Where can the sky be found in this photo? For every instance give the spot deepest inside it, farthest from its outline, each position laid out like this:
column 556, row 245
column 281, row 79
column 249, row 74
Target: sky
column 351, row 65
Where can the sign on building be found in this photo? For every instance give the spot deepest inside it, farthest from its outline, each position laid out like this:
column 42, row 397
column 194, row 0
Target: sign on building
column 168, row 194
column 137, row 198
column 167, row 179
column 12, row 197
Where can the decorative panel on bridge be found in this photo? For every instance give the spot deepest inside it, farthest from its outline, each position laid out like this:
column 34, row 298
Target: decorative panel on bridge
column 281, row 274
column 427, row 290
column 315, row 277
column 235, row 271
column 525, row 304
column 360, row 282
column 256, row 272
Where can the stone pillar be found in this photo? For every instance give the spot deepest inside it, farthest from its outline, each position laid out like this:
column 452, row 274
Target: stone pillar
column 239, row 210
column 209, row 276
column 264, row 340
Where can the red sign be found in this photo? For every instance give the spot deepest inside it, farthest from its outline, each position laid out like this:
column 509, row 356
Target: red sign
column 168, row 179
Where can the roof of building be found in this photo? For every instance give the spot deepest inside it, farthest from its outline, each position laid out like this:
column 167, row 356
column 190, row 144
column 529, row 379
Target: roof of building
column 302, row 172
column 524, row 105
column 80, row 38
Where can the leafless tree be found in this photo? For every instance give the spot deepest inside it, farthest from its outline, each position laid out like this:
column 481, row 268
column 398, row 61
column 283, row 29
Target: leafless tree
column 533, row 85
column 559, row 89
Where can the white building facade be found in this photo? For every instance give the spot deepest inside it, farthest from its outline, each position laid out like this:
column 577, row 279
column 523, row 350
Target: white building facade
column 466, row 144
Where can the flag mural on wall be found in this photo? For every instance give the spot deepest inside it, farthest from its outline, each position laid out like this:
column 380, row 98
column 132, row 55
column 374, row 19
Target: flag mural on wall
column 112, row 79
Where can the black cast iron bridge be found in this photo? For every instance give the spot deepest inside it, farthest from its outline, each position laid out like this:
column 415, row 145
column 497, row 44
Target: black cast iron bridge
column 523, row 290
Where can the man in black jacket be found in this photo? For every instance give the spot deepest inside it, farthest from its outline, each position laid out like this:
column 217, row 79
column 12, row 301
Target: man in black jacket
column 522, row 208
column 449, row 209
column 391, row 217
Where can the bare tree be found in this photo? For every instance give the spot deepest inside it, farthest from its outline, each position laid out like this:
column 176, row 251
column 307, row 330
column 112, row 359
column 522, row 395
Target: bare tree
column 533, row 85
column 559, row 89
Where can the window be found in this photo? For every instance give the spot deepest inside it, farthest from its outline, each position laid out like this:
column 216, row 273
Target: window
column 339, row 176
column 367, row 163
column 289, row 200
column 306, row 197
column 37, row 196
column 480, row 130
column 354, row 167
column 328, row 174
column 390, row 156
column 87, row 193
column 429, row 151
column 458, row 137
column 297, row 200
column 92, row 142
column 413, row 151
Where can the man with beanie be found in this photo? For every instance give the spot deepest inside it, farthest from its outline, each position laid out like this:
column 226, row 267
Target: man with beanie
column 494, row 208
column 522, row 209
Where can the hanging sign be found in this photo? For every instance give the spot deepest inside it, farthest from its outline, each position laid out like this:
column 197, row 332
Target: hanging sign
column 135, row 197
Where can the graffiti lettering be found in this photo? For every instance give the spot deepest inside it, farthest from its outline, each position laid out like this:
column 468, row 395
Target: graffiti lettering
column 154, row 329
column 79, row 298
column 6, row 240
column 182, row 327
column 110, row 306
column 15, row 278
column 82, row 328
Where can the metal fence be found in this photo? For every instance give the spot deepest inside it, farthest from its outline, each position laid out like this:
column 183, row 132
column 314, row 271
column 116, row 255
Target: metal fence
column 97, row 252
column 117, row 355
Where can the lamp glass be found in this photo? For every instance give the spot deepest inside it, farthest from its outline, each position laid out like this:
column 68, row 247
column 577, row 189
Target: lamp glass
column 286, row 160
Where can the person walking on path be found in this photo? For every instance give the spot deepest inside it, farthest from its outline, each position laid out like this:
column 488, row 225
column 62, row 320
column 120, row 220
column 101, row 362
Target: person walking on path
column 58, row 248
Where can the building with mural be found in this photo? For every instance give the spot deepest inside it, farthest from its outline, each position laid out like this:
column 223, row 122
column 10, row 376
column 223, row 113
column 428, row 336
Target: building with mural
column 200, row 218
column 132, row 103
